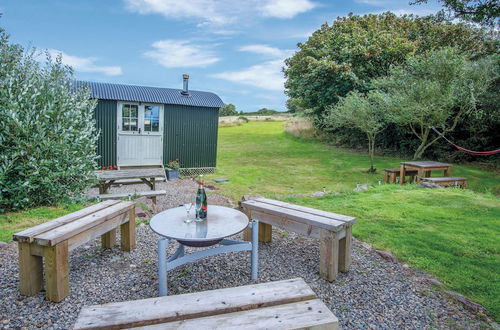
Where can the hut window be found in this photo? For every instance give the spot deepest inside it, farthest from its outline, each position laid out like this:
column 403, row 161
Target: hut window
column 130, row 117
column 151, row 118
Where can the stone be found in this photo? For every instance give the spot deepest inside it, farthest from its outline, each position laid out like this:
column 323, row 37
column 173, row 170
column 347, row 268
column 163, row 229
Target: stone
column 318, row 194
column 221, row 180
column 3, row 245
column 387, row 256
column 361, row 188
column 366, row 246
column 429, row 185
column 435, row 281
column 475, row 307
column 406, row 266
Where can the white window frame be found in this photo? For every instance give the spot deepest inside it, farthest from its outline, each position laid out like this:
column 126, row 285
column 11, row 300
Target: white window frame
column 140, row 119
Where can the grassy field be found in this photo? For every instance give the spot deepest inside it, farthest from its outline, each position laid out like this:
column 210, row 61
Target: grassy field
column 450, row 233
column 259, row 158
column 11, row 223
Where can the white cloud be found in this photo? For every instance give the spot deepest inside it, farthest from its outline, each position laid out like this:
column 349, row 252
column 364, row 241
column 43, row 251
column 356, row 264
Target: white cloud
column 86, row 64
column 220, row 12
column 264, row 50
column 286, row 8
column 181, row 54
column 266, row 75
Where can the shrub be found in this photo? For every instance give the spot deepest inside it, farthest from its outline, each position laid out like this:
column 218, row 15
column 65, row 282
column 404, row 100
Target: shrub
column 243, row 118
column 47, row 134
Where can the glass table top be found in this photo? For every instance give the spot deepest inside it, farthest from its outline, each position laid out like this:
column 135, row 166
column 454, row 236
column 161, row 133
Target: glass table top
column 221, row 222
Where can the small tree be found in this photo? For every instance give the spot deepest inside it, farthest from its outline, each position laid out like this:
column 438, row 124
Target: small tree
column 364, row 112
column 228, row 110
column 47, row 134
column 435, row 89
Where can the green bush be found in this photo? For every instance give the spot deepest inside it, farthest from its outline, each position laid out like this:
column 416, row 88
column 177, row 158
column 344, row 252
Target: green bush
column 47, row 134
column 243, row 118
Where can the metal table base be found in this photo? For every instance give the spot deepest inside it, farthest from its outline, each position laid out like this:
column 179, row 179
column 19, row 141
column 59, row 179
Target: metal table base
column 179, row 258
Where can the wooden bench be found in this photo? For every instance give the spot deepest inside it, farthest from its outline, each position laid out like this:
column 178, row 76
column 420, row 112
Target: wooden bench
column 288, row 304
column 392, row 173
column 53, row 240
column 333, row 230
column 447, row 181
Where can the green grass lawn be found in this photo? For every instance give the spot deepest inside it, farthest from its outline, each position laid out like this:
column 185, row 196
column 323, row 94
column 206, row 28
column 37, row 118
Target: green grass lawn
column 260, row 158
column 450, row 233
column 11, row 223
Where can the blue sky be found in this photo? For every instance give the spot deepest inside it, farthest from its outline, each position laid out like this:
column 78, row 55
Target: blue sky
column 233, row 48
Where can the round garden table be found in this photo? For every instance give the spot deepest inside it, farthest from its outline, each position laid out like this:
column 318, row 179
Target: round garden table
column 221, row 222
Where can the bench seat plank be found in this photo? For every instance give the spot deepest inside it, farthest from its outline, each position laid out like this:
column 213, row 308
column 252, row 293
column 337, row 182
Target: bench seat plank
column 444, row 179
column 192, row 305
column 28, row 234
column 310, row 314
column 330, row 215
column 310, row 219
column 61, row 233
column 151, row 193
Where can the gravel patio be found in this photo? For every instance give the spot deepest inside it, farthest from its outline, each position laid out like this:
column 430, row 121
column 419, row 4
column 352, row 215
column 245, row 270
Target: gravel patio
column 375, row 294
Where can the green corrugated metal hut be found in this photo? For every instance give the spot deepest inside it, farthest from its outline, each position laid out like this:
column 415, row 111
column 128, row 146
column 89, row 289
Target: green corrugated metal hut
column 146, row 126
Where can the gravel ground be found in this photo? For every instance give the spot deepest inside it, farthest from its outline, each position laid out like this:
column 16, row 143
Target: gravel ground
column 375, row 293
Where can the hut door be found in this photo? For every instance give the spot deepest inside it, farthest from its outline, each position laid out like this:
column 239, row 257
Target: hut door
column 140, row 134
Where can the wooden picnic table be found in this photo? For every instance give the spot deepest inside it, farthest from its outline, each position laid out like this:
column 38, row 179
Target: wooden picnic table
column 146, row 175
column 423, row 169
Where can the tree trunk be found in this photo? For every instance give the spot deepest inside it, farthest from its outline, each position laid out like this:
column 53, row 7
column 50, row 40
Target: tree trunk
column 371, row 147
column 424, row 144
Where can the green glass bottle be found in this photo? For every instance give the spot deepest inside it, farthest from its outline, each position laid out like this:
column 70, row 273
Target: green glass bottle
column 201, row 201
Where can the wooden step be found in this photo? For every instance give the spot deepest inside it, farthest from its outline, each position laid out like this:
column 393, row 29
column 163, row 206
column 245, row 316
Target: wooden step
column 192, row 305
column 150, row 193
column 310, row 314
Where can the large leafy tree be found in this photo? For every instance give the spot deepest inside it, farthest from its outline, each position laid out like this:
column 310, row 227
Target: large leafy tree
column 47, row 134
column 364, row 112
column 484, row 12
column 438, row 89
column 348, row 54
column 228, row 110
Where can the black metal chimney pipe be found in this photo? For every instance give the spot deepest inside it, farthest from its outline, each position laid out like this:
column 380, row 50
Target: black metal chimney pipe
column 185, row 89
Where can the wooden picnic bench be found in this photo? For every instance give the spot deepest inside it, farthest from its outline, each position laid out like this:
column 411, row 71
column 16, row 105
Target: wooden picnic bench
column 333, row 230
column 423, row 168
column 147, row 176
column 48, row 244
column 288, row 304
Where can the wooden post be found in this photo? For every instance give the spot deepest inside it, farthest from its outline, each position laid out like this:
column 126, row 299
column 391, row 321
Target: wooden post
column 329, row 255
column 56, row 271
column 128, row 232
column 108, row 239
column 153, row 184
column 393, row 177
column 345, row 248
column 386, row 177
column 402, row 173
column 30, row 270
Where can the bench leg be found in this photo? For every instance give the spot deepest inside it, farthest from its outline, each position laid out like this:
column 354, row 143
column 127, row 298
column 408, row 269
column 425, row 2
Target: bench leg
column 162, row 266
column 56, row 272
column 108, row 239
column 265, row 232
column 386, row 177
column 402, row 173
column 329, row 255
column 30, row 271
column 255, row 249
column 345, row 250
column 393, row 177
column 127, row 231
